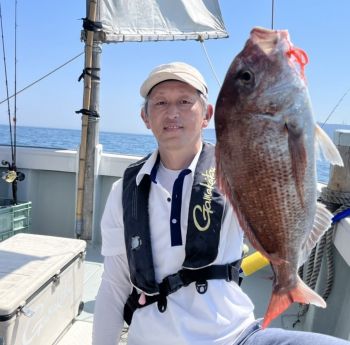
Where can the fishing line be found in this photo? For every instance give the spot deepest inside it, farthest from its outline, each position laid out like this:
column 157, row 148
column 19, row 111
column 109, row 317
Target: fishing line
column 335, row 107
column 43, row 77
column 200, row 39
column 6, row 82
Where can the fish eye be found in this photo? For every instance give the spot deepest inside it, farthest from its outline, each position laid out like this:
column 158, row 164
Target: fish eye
column 245, row 76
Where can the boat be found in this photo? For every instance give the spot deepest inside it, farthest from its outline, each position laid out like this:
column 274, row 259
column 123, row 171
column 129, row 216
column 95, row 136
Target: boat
column 79, row 198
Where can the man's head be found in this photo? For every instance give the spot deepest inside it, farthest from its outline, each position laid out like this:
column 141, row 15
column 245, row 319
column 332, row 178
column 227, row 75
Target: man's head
column 175, row 106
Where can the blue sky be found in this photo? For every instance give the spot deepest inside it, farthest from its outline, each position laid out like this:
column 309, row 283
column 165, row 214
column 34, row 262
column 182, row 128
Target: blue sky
column 49, row 34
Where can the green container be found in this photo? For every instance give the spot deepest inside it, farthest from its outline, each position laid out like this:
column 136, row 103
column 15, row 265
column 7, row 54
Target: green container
column 14, row 218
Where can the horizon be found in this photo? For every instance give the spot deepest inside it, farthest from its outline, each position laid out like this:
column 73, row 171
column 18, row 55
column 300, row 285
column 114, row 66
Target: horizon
column 149, row 133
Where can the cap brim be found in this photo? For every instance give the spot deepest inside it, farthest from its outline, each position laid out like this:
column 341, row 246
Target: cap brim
column 162, row 76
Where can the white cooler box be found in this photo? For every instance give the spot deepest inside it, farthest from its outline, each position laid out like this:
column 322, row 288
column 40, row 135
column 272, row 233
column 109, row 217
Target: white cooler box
column 41, row 287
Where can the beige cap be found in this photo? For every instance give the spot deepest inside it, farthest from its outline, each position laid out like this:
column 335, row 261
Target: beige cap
column 174, row 71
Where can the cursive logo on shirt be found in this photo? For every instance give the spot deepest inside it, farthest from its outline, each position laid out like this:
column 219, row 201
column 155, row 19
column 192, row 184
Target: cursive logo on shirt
column 201, row 213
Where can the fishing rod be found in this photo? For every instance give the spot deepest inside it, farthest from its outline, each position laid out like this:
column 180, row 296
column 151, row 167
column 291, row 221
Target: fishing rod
column 335, row 107
column 14, row 165
column 11, row 175
column 6, row 81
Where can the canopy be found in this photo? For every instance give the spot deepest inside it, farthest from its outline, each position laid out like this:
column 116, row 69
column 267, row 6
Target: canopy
column 159, row 20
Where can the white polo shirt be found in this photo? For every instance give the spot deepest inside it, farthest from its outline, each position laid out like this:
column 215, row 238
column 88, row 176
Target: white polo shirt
column 215, row 317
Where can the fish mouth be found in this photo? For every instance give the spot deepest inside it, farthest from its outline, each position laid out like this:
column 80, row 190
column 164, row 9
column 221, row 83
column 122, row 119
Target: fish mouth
column 262, row 33
column 268, row 39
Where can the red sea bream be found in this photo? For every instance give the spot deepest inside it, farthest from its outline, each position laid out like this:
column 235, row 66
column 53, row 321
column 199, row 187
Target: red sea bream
column 266, row 162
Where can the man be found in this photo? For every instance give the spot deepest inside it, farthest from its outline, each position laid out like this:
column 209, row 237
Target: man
column 171, row 241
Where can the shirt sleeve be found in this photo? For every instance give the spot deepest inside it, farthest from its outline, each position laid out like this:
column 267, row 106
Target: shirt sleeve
column 112, row 226
column 110, row 300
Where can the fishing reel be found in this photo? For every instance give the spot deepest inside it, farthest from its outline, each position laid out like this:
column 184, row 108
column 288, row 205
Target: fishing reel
column 11, row 174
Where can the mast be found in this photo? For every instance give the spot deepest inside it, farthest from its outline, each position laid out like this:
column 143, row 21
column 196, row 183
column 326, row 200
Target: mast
column 89, row 129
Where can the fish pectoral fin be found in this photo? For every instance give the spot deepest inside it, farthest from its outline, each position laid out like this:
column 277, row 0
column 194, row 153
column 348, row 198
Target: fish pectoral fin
column 322, row 222
column 298, row 156
column 327, row 147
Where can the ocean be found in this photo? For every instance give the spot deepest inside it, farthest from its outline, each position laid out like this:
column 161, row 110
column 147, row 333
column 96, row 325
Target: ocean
column 119, row 143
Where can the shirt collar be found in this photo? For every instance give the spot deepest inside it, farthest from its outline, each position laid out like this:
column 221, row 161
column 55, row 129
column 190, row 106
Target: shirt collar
column 153, row 160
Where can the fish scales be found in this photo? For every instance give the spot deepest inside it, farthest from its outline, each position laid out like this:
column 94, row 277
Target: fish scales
column 266, row 159
column 269, row 192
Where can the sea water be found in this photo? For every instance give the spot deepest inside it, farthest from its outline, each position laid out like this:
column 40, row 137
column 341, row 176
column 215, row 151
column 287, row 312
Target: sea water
column 119, row 143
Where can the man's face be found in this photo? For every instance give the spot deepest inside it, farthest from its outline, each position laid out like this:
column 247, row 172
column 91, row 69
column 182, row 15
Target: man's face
column 176, row 115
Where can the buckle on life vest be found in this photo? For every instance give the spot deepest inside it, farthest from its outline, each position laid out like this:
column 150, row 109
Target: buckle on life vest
column 162, row 303
column 232, row 273
column 202, row 287
column 172, row 283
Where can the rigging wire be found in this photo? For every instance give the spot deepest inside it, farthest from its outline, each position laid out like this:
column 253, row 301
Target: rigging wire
column 201, row 40
column 43, row 77
column 335, row 107
column 6, row 82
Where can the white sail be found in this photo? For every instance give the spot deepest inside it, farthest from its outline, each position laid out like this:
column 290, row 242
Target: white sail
column 159, row 20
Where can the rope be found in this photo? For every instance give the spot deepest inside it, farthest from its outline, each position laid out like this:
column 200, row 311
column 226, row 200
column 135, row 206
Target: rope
column 332, row 197
column 310, row 265
column 336, row 202
column 318, row 260
column 330, row 263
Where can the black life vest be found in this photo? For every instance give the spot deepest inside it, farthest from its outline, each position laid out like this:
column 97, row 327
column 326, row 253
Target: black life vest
column 204, row 221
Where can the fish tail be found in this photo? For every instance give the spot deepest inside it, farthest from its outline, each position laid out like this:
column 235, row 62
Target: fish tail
column 281, row 301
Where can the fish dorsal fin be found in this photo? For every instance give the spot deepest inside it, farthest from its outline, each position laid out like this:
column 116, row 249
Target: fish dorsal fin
column 327, row 147
column 322, row 222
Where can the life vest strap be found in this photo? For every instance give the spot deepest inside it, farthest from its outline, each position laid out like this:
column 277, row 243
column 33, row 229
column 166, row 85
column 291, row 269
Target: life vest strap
column 184, row 277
